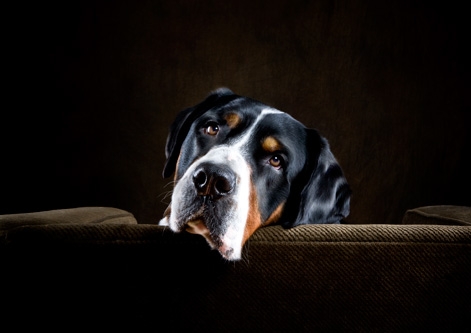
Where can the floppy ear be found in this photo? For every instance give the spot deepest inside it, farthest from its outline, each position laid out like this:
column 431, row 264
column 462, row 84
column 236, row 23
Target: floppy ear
column 182, row 123
column 321, row 193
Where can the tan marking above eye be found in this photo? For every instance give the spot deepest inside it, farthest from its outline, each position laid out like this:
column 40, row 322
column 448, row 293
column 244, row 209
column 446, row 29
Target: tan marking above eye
column 232, row 119
column 270, row 144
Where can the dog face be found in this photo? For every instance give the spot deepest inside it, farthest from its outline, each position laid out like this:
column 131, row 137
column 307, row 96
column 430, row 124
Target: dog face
column 239, row 165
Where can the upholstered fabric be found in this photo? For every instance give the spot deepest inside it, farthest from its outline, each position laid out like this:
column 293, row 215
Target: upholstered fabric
column 375, row 278
column 449, row 215
column 80, row 215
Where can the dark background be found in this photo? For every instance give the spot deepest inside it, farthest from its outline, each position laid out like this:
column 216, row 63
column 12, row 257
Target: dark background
column 90, row 88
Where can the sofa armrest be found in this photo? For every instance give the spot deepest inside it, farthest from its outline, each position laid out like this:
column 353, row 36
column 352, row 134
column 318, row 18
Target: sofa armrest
column 439, row 215
column 81, row 215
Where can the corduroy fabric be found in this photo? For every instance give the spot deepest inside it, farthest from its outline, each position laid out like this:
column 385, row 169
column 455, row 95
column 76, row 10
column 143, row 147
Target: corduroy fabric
column 374, row 278
column 445, row 215
column 375, row 233
column 80, row 215
column 274, row 235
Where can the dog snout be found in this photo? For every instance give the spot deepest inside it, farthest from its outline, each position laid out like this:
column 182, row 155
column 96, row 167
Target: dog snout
column 214, row 180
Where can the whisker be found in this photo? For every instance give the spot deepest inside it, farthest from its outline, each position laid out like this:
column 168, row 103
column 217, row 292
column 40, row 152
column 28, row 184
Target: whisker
column 170, row 183
column 164, row 196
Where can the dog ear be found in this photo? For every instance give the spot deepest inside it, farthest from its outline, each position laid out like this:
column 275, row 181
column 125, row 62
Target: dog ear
column 320, row 194
column 182, row 123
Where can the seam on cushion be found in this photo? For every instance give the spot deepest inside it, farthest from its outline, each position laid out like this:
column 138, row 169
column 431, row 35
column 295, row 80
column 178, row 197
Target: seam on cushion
column 130, row 234
column 93, row 241
column 112, row 217
column 460, row 243
column 272, row 242
column 127, row 241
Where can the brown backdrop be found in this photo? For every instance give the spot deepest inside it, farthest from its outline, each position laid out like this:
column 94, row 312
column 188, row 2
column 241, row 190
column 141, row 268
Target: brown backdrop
column 94, row 85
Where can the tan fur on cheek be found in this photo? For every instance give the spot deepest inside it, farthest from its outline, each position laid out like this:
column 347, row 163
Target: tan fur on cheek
column 254, row 220
column 275, row 215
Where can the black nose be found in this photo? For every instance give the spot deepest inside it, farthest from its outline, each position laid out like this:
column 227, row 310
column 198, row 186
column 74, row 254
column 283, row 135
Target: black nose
column 213, row 180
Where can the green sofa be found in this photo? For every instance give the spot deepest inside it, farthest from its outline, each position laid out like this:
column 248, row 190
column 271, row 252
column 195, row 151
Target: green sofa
column 97, row 267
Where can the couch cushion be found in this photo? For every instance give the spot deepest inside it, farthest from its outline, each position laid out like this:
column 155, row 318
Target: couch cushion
column 336, row 278
column 81, row 215
column 445, row 215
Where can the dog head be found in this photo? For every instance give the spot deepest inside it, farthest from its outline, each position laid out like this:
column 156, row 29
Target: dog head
column 239, row 164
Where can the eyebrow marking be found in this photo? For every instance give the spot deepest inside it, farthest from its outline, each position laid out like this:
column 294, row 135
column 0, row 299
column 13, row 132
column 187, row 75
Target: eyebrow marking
column 249, row 132
column 232, row 119
column 270, row 144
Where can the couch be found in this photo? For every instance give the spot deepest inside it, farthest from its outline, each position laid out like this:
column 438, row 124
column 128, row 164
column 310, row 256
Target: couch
column 96, row 267
column 92, row 87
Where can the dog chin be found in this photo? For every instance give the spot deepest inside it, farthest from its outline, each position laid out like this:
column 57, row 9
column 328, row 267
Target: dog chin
column 198, row 227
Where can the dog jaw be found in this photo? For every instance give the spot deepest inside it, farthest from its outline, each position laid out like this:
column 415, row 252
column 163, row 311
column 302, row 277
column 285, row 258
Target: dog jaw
column 185, row 214
column 198, row 227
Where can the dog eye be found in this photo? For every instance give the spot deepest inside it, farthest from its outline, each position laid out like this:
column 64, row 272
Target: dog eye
column 276, row 161
column 211, row 129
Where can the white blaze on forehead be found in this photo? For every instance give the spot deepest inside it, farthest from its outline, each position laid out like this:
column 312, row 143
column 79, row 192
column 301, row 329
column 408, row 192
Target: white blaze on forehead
column 250, row 131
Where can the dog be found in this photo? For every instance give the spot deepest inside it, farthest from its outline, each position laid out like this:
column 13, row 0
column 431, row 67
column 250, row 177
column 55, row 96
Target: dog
column 239, row 165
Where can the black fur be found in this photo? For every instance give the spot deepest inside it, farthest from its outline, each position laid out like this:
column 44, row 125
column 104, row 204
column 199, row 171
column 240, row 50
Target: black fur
column 311, row 183
column 181, row 126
